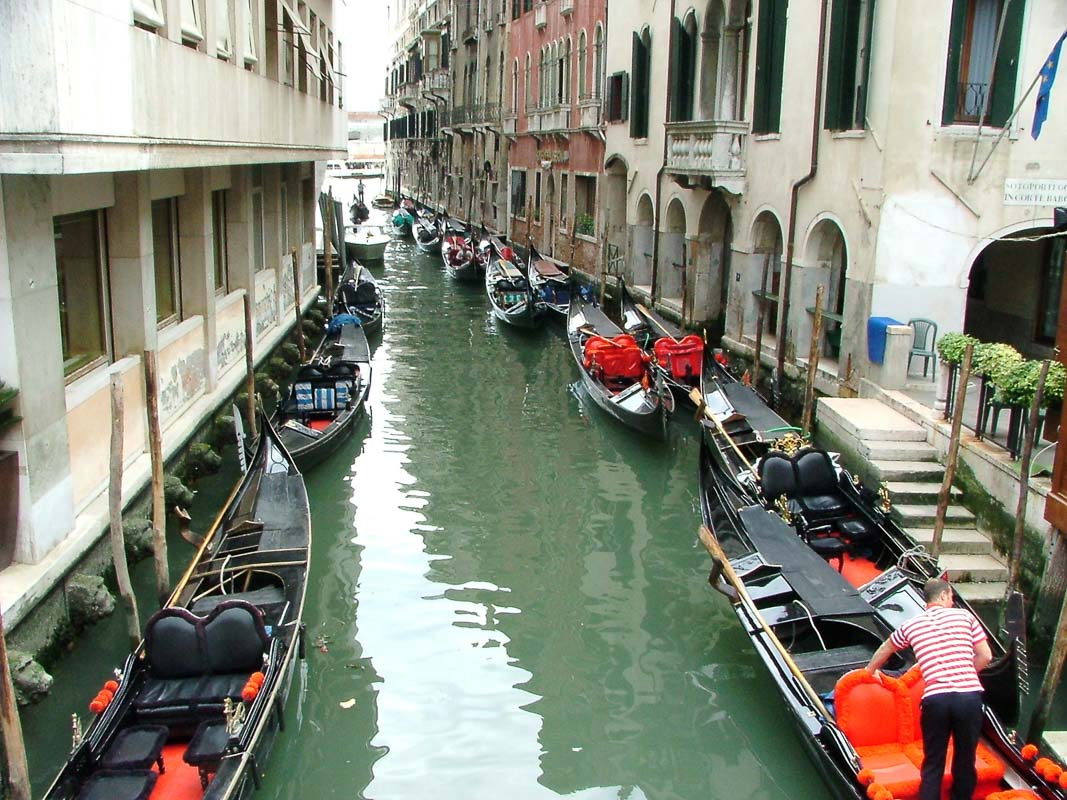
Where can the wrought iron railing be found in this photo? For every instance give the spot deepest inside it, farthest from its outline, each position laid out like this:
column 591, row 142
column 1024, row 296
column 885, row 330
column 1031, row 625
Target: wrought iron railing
column 971, row 99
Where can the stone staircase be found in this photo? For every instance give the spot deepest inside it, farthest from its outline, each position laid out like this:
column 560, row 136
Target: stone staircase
column 881, row 445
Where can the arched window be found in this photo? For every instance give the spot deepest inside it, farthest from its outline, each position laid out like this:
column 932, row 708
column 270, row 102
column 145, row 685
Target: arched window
column 527, row 94
column 565, row 95
column 488, row 72
column 582, row 81
column 683, row 68
column 515, row 86
column 598, row 60
column 642, row 64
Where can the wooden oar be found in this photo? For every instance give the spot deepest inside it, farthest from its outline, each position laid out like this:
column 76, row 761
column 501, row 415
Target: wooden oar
column 648, row 315
column 698, row 399
column 711, row 544
column 592, row 332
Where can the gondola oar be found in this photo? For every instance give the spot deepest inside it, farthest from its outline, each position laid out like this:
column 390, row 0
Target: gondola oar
column 698, row 400
column 648, row 315
column 711, row 544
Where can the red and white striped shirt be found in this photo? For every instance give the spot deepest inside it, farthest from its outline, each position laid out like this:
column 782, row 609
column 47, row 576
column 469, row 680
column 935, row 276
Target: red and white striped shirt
column 944, row 642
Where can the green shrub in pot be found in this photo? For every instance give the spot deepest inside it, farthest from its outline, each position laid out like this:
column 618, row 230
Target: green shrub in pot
column 995, row 360
column 952, row 346
column 1018, row 385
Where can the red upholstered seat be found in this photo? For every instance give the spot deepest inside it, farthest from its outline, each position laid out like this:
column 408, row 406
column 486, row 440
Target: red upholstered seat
column 1013, row 794
column 684, row 358
column 615, row 358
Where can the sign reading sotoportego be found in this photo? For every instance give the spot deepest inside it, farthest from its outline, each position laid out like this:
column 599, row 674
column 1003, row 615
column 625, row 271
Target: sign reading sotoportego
column 1028, row 192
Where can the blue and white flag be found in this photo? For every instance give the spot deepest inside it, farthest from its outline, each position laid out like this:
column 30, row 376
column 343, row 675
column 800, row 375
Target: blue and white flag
column 1048, row 75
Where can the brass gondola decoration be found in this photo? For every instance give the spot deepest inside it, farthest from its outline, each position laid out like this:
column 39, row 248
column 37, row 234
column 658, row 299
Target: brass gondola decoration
column 782, row 504
column 789, row 444
column 883, row 499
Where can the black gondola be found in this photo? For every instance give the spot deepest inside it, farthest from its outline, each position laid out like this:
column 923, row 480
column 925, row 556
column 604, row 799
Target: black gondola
column 458, row 252
column 819, row 574
column 550, row 282
column 203, row 694
column 615, row 372
column 427, row 234
column 358, row 294
column 327, row 394
column 510, row 294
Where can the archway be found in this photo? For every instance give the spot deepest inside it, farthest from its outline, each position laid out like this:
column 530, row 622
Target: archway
column 712, row 260
column 641, row 247
column 670, row 274
column 1014, row 292
column 826, row 260
column 549, row 243
column 615, row 213
column 766, row 260
column 711, row 41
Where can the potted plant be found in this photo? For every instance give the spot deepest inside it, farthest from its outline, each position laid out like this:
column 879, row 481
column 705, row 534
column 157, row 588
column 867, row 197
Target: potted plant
column 992, row 363
column 1017, row 387
column 9, row 478
column 950, row 349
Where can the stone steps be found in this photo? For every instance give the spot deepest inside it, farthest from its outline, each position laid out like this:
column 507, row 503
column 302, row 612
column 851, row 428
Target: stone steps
column 969, row 541
column 965, row 568
column 983, row 592
column 908, row 470
column 897, row 451
column 912, row 493
column 923, row 516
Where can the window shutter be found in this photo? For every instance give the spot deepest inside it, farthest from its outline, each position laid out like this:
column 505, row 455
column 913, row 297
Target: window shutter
column 865, row 78
column 760, row 119
column 952, row 69
column 835, row 67
column 1007, row 66
column 774, row 108
column 677, row 67
column 636, row 65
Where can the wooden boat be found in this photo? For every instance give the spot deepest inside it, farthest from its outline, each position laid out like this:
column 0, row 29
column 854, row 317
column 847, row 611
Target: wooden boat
column 509, row 291
column 819, row 574
column 615, row 372
column 677, row 355
column 427, row 234
column 196, row 708
column 359, row 295
column 383, row 202
column 458, row 253
column 327, row 394
column 550, row 282
column 366, row 243
column 402, row 221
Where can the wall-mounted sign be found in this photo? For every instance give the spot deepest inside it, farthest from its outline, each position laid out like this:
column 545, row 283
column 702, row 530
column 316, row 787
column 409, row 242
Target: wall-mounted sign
column 1028, row 192
column 555, row 156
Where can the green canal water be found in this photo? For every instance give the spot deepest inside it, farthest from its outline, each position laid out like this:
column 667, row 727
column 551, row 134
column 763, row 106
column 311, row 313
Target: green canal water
column 506, row 583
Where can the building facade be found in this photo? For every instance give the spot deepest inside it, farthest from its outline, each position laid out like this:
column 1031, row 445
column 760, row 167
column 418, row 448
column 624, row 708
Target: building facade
column 159, row 161
column 554, row 119
column 764, row 150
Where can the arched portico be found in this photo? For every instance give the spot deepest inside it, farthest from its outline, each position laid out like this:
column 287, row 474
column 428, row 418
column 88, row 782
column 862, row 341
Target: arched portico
column 764, row 260
column 712, row 262
column 641, row 245
column 670, row 272
column 825, row 264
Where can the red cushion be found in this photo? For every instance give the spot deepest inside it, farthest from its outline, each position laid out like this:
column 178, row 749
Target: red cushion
column 684, row 358
column 891, row 768
column 869, row 712
column 989, row 767
column 617, row 358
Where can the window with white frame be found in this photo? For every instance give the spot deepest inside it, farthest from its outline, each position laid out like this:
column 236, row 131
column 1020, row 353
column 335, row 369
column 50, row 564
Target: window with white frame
column 192, row 27
column 259, row 258
column 518, row 193
column 224, row 29
column 218, row 239
column 563, row 197
column 582, row 56
column 585, row 205
column 148, row 14
column 515, row 87
column 598, row 61
column 250, row 57
column 81, row 260
column 165, row 256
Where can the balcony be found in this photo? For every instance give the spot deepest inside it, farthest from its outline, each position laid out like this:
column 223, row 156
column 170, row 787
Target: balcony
column 556, row 118
column 541, row 14
column 589, row 112
column 407, row 94
column 437, row 81
column 709, row 149
column 566, row 7
column 387, row 106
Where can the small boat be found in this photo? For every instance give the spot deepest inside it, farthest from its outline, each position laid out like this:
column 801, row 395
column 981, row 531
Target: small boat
column 677, row 355
column 366, row 243
column 427, row 234
column 509, row 291
column 615, row 371
column 818, row 574
column 383, row 202
column 359, row 212
column 402, row 221
column 327, row 394
column 196, row 707
column 458, row 253
column 359, row 295
column 550, row 282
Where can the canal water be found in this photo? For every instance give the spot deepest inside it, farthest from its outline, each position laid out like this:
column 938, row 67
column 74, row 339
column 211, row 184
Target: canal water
column 507, row 595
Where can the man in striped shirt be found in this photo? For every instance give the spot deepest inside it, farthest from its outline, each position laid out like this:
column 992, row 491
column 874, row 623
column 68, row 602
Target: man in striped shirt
column 951, row 649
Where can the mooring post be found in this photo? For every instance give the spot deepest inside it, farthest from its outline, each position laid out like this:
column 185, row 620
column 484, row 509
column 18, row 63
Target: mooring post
column 114, row 497
column 296, row 309
column 813, row 363
column 761, row 310
column 155, row 449
column 1052, row 674
column 18, row 772
column 1024, row 480
column 250, row 367
column 327, row 251
column 945, row 494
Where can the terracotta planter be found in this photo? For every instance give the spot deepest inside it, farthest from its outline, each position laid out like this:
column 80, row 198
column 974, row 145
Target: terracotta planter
column 9, row 505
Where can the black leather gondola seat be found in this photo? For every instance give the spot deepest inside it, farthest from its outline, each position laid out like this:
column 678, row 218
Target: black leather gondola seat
column 118, row 785
column 777, row 477
column 818, row 490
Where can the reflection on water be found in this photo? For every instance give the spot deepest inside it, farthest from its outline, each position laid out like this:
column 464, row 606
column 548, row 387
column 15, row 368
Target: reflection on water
column 509, row 587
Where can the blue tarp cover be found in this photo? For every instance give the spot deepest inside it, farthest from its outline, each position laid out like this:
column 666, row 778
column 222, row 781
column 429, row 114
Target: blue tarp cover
column 876, row 335
column 340, row 320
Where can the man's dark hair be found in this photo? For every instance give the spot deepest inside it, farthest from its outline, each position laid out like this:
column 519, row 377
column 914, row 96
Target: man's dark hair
column 934, row 587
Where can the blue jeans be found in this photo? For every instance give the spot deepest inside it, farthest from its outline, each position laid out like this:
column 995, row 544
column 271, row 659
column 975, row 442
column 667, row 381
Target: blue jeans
column 958, row 714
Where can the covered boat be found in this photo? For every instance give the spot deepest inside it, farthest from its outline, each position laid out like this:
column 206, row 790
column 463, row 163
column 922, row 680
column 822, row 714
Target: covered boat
column 195, row 709
column 359, row 295
column 327, row 395
column 402, row 221
column 615, row 371
column 550, row 281
column 819, row 574
column 510, row 294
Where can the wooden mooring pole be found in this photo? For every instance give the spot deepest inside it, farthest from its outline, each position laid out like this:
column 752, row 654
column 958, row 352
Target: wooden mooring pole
column 1024, row 481
column 813, row 363
column 114, row 498
column 250, row 367
column 18, row 772
column 945, row 494
column 296, row 309
column 155, row 449
column 1052, row 674
column 761, row 310
column 327, row 252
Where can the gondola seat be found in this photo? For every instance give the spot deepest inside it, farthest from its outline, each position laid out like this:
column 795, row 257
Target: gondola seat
column 194, row 663
column 818, row 490
column 777, row 477
column 118, row 785
column 136, row 747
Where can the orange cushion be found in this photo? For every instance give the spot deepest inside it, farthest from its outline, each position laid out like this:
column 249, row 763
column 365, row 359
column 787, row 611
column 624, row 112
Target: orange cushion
column 990, row 769
column 1013, row 794
column 869, row 712
column 915, row 686
column 891, row 768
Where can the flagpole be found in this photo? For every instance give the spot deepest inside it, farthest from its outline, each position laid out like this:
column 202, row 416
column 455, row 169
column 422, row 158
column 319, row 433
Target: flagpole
column 989, row 84
column 1007, row 127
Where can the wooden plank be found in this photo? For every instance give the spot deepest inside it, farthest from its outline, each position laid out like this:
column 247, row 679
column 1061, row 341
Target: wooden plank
column 114, row 497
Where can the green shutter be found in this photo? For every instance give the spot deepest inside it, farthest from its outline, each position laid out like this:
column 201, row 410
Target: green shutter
column 1007, row 67
column 760, row 123
column 774, row 108
column 836, row 66
column 952, row 69
column 865, row 78
column 677, row 65
column 636, row 65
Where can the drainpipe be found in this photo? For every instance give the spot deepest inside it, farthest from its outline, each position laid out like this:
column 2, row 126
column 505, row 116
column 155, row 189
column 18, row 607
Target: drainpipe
column 657, row 218
column 787, row 278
